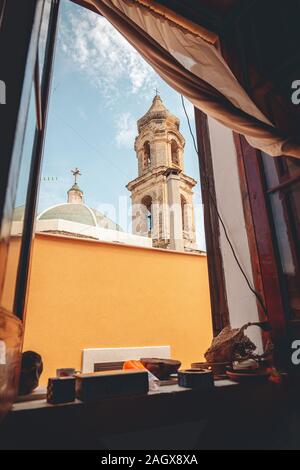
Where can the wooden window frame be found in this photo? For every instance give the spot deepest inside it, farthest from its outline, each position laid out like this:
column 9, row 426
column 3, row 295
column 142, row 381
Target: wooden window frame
column 261, row 238
column 267, row 274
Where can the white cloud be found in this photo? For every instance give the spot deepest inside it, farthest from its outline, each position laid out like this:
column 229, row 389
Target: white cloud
column 104, row 56
column 126, row 130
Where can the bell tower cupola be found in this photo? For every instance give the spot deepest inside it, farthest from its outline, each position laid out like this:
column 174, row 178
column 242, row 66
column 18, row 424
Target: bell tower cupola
column 162, row 192
column 159, row 142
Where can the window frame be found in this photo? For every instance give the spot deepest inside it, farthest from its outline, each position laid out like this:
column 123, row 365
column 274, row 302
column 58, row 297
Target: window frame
column 18, row 75
column 42, row 94
column 26, row 68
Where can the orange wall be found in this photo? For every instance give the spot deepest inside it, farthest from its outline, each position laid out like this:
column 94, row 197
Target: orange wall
column 86, row 294
column 11, row 270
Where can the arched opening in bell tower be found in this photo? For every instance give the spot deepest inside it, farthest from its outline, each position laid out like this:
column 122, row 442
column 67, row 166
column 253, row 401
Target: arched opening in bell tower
column 174, row 152
column 147, row 209
column 146, row 155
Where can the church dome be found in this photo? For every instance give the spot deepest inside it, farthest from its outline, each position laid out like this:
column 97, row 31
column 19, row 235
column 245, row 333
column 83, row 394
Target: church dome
column 157, row 111
column 75, row 210
column 79, row 213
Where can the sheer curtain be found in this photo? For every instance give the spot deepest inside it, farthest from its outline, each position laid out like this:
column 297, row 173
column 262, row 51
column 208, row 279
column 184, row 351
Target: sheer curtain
column 186, row 56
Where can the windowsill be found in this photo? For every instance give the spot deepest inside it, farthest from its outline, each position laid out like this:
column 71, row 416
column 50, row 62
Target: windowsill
column 81, row 425
column 31, row 403
column 38, row 394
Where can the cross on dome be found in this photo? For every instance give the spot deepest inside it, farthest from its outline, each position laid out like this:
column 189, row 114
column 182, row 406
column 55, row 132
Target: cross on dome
column 76, row 173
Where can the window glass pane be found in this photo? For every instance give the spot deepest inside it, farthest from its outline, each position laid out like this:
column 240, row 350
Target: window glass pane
column 285, row 206
column 19, row 210
column 283, row 236
column 43, row 35
column 271, row 175
column 295, row 205
column 294, row 281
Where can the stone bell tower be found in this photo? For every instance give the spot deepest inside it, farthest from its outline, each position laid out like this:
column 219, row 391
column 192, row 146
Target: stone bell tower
column 162, row 195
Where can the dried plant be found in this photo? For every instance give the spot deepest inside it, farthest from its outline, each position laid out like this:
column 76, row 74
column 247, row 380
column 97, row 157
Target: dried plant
column 231, row 345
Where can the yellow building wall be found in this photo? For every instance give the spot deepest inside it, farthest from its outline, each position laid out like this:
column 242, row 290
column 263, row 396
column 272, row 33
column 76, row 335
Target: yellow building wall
column 11, row 270
column 86, row 294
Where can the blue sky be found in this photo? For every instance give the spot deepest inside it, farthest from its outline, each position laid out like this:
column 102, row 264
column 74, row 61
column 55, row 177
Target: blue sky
column 101, row 86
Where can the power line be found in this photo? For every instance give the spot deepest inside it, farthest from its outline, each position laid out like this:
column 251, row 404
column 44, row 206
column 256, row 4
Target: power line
column 91, row 146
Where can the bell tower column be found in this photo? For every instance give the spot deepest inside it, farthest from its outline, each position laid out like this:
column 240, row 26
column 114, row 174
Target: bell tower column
column 175, row 210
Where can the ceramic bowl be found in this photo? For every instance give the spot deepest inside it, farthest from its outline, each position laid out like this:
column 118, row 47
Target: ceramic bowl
column 161, row 368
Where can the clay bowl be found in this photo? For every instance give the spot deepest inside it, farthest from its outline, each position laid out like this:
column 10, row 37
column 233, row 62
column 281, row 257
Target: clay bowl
column 161, row 368
column 246, row 376
column 217, row 368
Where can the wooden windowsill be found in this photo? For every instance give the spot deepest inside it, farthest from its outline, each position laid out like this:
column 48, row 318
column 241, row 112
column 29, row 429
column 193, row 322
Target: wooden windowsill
column 39, row 425
column 31, row 403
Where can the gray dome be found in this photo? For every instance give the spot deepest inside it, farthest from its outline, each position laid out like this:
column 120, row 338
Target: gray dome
column 79, row 213
column 73, row 212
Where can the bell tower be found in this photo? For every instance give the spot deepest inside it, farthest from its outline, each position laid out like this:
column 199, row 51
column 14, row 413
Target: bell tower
column 162, row 195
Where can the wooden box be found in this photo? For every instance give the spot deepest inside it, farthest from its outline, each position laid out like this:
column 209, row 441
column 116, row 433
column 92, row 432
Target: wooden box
column 96, row 386
column 61, row 390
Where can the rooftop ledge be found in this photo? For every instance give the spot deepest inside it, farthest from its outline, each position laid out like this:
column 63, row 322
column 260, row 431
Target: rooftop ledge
column 117, row 244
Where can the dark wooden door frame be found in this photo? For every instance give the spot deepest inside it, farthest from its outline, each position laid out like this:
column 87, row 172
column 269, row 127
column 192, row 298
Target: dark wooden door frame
column 218, row 297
